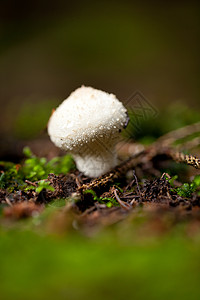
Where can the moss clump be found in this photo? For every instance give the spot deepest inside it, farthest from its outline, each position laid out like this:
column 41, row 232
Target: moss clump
column 33, row 169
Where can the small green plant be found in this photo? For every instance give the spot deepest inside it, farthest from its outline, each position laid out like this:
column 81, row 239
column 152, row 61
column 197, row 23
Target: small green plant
column 104, row 200
column 41, row 185
column 11, row 178
column 44, row 185
column 34, row 169
column 171, row 179
column 186, row 189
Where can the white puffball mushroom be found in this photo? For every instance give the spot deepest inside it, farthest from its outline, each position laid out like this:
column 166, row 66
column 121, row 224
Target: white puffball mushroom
column 87, row 124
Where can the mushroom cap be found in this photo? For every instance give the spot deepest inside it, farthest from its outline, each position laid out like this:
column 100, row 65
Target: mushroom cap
column 88, row 115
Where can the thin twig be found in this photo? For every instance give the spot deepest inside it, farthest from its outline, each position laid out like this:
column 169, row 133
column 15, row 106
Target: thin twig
column 117, row 172
column 137, row 184
column 129, row 185
column 133, row 201
column 78, row 182
column 190, row 144
column 121, row 203
column 161, row 146
column 31, row 183
column 180, row 133
column 184, row 158
column 8, row 201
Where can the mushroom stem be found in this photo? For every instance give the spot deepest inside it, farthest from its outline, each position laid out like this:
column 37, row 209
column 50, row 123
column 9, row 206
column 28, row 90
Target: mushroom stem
column 94, row 164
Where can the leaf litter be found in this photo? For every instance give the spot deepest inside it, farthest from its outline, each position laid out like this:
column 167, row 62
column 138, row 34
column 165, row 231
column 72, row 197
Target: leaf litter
column 137, row 185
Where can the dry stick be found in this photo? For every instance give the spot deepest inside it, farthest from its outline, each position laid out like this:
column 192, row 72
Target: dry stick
column 31, row 183
column 134, row 161
column 114, row 174
column 129, row 185
column 8, row 201
column 161, row 146
column 137, row 184
column 121, row 203
column 164, row 145
column 184, row 158
column 190, row 144
column 178, row 156
column 180, row 133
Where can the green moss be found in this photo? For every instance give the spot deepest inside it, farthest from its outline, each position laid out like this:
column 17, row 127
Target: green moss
column 34, row 169
column 186, row 189
column 104, row 200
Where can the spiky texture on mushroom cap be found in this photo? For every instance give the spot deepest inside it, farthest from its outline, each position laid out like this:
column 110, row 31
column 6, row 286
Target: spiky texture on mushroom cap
column 87, row 116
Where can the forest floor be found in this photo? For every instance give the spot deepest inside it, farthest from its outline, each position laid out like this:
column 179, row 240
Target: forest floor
column 133, row 232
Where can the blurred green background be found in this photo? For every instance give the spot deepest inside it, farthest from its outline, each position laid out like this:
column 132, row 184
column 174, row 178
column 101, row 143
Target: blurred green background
column 49, row 48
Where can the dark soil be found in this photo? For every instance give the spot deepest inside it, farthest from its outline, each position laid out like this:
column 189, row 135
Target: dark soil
column 151, row 195
column 141, row 187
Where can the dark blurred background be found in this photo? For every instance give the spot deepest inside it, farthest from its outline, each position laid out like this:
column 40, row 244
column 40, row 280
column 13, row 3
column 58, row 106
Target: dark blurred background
column 49, row 48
